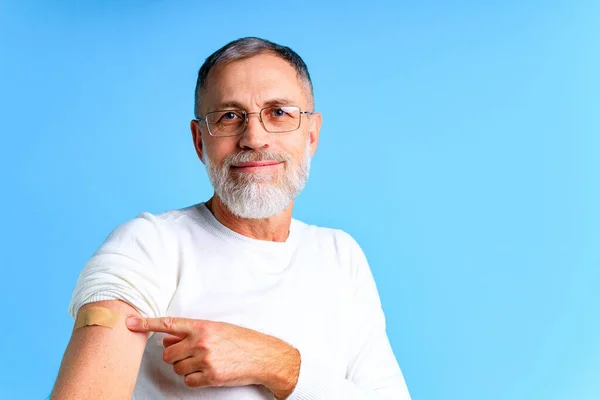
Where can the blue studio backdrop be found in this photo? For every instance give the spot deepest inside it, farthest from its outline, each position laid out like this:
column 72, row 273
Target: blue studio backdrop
column 460, row 147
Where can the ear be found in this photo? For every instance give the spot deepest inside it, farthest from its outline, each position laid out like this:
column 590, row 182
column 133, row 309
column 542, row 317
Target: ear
column 314, row 130
column 197, row 137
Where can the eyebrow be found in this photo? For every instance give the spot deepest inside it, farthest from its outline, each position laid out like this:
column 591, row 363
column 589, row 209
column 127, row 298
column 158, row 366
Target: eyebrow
column 269, row 103
column 279, row 102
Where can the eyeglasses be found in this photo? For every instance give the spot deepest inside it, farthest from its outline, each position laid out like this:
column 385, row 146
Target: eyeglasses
column 233, row 122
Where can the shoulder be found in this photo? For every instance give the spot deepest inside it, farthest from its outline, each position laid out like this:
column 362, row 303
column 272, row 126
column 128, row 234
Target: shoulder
column 149, row 225
column 340, row 249
column 332, row 240
column 168, row 218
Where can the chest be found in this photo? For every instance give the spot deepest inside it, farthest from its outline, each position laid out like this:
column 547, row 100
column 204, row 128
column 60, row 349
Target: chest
column 302, row 298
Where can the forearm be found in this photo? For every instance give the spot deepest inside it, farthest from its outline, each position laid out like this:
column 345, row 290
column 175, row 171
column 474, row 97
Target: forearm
column 100, row 362
column 281, row 375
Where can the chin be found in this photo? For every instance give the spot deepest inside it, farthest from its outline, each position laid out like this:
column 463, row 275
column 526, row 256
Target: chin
column 253, row 177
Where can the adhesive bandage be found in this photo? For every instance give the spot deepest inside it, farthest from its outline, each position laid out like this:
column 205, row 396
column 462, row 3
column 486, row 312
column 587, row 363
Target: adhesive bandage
column 99, row 316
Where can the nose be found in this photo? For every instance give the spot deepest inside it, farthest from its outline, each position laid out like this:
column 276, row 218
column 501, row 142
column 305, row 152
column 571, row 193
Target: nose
column 254, row 136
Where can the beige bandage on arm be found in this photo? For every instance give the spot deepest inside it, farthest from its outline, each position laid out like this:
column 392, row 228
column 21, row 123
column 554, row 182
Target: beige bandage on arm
column 99, row 316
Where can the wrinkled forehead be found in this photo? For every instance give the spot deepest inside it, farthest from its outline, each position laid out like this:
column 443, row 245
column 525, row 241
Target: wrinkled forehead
column 253, row 83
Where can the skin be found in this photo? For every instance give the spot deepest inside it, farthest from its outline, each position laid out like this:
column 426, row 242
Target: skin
column 96, row 355
column 207, row 353
column 210, row 353
column 251, row 84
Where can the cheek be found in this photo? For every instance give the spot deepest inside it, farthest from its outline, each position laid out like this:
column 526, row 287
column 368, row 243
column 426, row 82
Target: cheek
column 218, row 149
column 294, row 146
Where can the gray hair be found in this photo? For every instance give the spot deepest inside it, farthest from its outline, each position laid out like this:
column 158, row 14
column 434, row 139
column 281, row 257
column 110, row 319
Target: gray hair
column 245, row 48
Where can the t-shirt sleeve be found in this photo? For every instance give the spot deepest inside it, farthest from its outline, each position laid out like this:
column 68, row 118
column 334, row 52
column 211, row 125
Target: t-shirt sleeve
column 131, row 265
column 373, row 372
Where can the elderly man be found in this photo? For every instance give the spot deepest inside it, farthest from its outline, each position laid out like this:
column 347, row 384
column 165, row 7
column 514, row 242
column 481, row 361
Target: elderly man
column 233, row 298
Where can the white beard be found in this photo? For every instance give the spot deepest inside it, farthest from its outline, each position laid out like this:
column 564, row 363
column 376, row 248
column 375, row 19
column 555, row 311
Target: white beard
column 258, row 195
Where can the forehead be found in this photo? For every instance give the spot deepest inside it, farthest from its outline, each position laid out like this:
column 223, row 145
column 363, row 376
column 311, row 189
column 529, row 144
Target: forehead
column 252, row 82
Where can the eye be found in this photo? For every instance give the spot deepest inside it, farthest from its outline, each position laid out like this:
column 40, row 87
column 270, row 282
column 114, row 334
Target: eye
column 230, row 115
column 281, row 112
column 278, row 112
column 227, row 117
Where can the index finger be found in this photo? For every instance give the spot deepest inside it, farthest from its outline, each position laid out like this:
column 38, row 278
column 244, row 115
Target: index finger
column 174, row 326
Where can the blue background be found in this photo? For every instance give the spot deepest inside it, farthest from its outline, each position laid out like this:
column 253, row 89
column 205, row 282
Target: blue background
column 460, row 147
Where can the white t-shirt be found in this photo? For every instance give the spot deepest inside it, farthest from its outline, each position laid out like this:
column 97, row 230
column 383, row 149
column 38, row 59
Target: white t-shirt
column 315, row 291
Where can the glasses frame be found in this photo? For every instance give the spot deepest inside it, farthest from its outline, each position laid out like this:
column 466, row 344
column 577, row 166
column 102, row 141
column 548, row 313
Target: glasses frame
column 247, row 114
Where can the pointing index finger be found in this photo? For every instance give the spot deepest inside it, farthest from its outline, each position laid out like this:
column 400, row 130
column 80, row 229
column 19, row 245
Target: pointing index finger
column 173, row 326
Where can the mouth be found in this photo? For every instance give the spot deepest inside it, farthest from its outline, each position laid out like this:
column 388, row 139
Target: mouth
column 255, row 165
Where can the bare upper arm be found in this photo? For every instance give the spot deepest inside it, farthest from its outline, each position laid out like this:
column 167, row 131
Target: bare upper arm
column 101, row 362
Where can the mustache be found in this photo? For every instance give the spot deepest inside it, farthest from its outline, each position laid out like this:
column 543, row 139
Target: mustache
column 256, row 156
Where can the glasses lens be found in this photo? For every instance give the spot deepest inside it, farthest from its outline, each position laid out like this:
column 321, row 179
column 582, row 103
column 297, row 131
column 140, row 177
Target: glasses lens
column 281, row 119
column 225, row 123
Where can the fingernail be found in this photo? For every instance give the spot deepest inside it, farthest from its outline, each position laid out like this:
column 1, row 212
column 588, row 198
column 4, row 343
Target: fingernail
column 133, row 322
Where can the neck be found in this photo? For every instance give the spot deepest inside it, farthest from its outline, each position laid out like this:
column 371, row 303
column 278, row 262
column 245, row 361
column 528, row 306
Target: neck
column 273, row 229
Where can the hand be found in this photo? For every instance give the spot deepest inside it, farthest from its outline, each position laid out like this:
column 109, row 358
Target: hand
column 210, row 353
